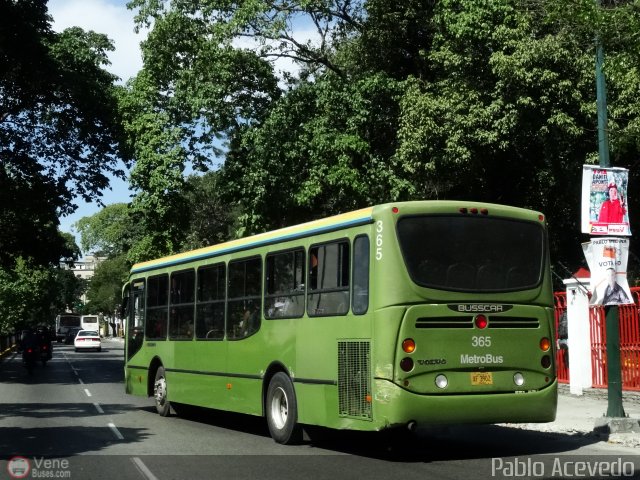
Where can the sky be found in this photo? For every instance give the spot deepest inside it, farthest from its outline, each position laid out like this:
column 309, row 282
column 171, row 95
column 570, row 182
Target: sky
column 112, row 18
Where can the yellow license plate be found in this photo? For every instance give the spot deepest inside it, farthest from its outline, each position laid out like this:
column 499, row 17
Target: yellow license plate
column 482, row 378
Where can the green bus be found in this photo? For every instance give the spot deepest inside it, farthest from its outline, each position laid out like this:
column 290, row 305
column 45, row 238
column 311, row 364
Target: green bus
column 405, row 314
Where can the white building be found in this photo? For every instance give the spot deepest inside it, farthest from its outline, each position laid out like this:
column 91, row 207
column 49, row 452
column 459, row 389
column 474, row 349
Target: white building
column 84, row 268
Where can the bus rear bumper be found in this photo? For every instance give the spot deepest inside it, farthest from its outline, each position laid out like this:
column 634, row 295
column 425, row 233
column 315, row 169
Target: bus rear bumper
column 395, row 406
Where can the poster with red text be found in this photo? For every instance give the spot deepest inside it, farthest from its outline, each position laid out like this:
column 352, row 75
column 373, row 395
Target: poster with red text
column 605, row 208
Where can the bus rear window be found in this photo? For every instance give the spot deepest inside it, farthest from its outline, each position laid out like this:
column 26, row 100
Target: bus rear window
column 472, row 254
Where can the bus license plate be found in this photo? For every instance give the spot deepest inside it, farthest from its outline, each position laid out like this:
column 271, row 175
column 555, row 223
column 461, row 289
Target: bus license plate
column 482, row 378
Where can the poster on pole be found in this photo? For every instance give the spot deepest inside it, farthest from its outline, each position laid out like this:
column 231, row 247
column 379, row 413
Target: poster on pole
column 604, row 201
column 607, row 259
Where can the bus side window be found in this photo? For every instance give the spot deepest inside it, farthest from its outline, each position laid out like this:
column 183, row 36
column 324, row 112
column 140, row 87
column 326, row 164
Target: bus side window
column 244, row 297
column 284, row 287
column 157, row 307
column 360, row 299
column 328, row 292
column 210, row 302
column 182, row 304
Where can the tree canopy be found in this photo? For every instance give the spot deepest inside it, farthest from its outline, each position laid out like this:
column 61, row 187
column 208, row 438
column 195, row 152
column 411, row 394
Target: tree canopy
column 60, row 133
column 59, row 128
column 456, row 99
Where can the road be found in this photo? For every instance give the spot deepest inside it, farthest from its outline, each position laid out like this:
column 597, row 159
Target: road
column 71, row 419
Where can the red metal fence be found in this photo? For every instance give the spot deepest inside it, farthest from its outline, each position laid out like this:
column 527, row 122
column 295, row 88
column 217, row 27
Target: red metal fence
column 629, row 343
column 562, row 358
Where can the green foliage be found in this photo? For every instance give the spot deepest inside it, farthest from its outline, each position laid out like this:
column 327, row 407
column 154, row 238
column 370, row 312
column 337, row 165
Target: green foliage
column 104, row 294
column 32, row 295
column 467, row 99
column 110, row 232
column 210, row 218
column 322, row 150
column 508, row 117
column 59, row 129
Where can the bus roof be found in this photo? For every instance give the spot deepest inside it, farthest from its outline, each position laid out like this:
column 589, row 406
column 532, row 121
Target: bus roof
column 336, row 222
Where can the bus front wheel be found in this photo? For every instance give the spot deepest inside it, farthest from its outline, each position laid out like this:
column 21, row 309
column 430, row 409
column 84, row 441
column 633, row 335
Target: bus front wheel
column 160, row 393
column 282, row 410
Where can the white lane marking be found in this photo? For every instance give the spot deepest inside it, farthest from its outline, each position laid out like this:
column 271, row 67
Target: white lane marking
column 98, row 407
column 115, row 431
column 86, row 390
column 142, row 468
column 80, row 381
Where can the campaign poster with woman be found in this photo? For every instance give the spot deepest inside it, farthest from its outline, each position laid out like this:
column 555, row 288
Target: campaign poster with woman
column 604, row 201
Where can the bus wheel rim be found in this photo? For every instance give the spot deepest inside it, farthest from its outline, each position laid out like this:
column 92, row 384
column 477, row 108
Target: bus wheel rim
column 160, row 390
column 279, row 408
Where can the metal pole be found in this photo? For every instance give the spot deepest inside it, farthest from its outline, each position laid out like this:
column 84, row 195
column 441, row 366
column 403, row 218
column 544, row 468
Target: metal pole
column 601, row 98
column 612, row 318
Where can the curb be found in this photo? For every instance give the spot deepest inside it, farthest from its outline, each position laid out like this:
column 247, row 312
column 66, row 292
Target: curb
column 599, row 394
column 7, row 352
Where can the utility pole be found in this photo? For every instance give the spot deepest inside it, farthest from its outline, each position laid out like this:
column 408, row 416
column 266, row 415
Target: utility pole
column 612, row 318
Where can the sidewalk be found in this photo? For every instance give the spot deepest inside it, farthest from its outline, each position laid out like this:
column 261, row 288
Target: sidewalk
column 577, row 415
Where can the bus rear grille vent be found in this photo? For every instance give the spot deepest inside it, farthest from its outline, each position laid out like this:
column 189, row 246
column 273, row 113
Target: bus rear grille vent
column 444, row 322
column 513, row 322
column 354, row 379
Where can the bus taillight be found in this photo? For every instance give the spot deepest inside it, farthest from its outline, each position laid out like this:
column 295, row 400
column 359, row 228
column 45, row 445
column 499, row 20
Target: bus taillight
column 481, row 321
column 545, row 344
column 406, row 364
column 409, row 345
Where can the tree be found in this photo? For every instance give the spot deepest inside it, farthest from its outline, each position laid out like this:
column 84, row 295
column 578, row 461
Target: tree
column 457, row 99
column 111, row 232
column 509, row 116
column 104, row 294
column 31, row 294
column 210, row 219
column 322, row 150
column 59, row 128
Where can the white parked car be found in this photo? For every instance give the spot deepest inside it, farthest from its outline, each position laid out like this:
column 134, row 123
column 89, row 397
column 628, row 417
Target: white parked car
column 87, row 339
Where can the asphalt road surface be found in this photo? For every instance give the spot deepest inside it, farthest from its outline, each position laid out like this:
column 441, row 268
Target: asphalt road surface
column 72, row 419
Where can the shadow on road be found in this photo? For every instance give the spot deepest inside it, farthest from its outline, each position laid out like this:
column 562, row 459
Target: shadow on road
column 464, row 442
column 62, row 441
column 62, row 410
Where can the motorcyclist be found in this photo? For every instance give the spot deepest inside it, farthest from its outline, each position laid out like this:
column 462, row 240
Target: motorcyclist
column 30, row 349
column 44, row 343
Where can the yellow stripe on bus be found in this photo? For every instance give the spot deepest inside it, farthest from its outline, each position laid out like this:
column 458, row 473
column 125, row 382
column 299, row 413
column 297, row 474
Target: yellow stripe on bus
column 363, row 215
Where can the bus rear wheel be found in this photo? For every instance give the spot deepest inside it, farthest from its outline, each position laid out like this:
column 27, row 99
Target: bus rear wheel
column 163, row 407
column 282, row 410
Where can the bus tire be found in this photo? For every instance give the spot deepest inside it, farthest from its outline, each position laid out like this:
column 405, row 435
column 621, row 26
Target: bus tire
column 282, row 410
column 163, row 407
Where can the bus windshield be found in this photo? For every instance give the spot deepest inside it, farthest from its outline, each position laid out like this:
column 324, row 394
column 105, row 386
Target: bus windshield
column 472, row 254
